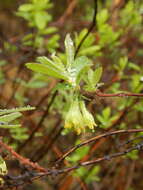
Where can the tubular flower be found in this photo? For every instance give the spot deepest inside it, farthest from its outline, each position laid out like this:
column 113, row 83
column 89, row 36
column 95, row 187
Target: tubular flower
column 87, row 117
column 78, row 117
column 74, row 118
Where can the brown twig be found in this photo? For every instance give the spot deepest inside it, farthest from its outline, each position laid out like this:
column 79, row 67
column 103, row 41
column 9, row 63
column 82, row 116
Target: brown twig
column 121, row 94
column 24, row 178
column 21, row 159
column 108, row 95
column 95, row 139
column 67, row 13
column 87, row 163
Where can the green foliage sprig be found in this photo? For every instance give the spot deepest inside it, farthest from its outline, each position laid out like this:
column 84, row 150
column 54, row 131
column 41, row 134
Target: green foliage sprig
column 35, row 12
column 73, row 72
column 8, row 116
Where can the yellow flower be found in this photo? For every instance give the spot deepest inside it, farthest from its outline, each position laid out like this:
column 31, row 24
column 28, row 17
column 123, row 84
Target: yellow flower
column 74, row 118
column 78, row 117
column 87, row 116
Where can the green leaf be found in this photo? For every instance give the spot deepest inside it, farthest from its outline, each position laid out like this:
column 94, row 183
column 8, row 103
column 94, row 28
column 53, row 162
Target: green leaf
column 90, row 75
column 49, row 30
column 80, row 36
column 80, row 64
column 40, row 1
column 123, row 62
column 106, row 113
column 10, row 117
column 69, row 50
column 92, row 176
column 6, row 111
column 26, row 7
column 47, row 70
column 41, row 19
column 133, row 155
column 78, row 155
column 80, row 172
column 93, row 77
column 6, row 126
column 36, row 84
column 57, row 64
column 97, row 75
column 134, row 66
column 89, row 50
column 102, row 17
column 101, row 119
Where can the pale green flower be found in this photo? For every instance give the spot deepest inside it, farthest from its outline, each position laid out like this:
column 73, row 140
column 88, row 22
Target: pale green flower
column 78, row 117
column 74, row 118
column 87, row 116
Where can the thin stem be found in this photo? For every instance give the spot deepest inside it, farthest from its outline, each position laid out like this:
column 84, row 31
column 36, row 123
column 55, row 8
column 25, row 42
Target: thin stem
column 93, row 24
column 95, row 139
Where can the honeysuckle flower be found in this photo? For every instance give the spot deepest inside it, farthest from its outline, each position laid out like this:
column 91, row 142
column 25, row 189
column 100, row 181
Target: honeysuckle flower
column 87, row 116
column 74, row 118
column 78, row 117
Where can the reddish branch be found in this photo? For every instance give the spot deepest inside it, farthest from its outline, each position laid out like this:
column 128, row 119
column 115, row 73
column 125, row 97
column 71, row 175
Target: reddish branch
column 104, row 95
column 31, row 175
column 21, row 159
column 68, row 12
column 94, row 161
column 23, row 179
column 121, row 94
column 95, row 139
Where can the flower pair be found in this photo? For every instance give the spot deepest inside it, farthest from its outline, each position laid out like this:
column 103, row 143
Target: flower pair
column 78, row 117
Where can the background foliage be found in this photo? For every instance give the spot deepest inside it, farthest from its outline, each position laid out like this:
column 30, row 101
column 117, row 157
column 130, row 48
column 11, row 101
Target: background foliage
column 109, row 61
